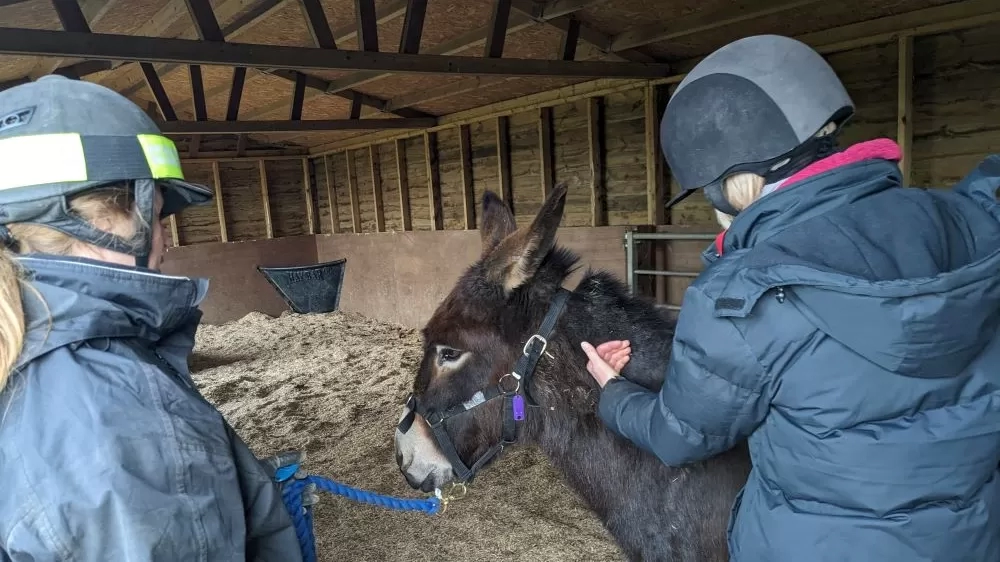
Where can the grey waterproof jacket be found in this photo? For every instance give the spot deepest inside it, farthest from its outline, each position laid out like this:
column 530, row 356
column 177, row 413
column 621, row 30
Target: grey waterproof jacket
column 850, row 330
column 108, row 452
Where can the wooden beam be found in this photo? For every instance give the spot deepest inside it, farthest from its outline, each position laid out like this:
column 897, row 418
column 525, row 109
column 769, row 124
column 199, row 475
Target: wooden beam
column 557, row 17
column 236, row 93
column 251, row 156
column 497, row 29
column 93, row 12
column 516, row 22
column 159, row 93
column 571, row 37
column 364, row 11
column 219, row 206
column 505, row 173
column 548, row 172
column 352, row 188
column 266, row 199
column 433, row 181
column 404, row 185
column 198, row 93
column 655, row 187
column 904, row 112
column 298, row 97
column 307, row 192
column 71, row 15
column 598, row 189
column 373, row 164
column 241, row 144
column 413, row 26
column 698, row 22
column 204, row 20
column 331, row 197
column 40, row 42
column 355, row 112
column 319, row 26
column 195, row 146
column 175, row 234
column 250, row 127
column 468, row 190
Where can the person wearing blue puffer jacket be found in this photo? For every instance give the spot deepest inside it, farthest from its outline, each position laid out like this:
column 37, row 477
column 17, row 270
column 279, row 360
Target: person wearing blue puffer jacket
column 108, row 451
column 845, row 324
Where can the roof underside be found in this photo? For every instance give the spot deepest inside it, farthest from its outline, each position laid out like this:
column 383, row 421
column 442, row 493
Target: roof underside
column 671, row 31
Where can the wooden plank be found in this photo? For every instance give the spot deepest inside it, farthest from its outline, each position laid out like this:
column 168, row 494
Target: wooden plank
column 250, row 127
column 71, row 15
column 598, row 188
column 307, row 192
column 557, row 16
column 198, row 93
column 219, row 205
column 699, row 22
column 331, row 197
column 404, row 185
column 497, row 34
column 298, row 97
column 904, row 113
column 364, row 11
column 236, row 93
column 319, row 26
column 241, row 144
column 266, row 199
column 548, row 171
column 468, row 190
column 352, row 188
column 655, row 186
column 174, row 233
column 413, row 26
column 433, row 181
column 505, row 173
column 571, row 37
column 204, row 20
column 373, row 166
column 159, row 93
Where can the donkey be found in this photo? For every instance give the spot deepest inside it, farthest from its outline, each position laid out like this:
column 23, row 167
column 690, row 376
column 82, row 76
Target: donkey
column 479, row 337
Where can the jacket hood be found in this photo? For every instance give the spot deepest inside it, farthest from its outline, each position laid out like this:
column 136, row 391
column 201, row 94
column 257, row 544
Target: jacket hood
column 928, row 326
column 82, row 299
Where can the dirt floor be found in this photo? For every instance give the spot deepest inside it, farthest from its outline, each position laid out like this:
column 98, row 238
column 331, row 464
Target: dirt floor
column 333, row 385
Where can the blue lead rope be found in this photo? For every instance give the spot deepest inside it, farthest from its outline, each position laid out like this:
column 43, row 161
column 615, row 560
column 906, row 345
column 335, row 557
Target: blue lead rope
column 302, row 515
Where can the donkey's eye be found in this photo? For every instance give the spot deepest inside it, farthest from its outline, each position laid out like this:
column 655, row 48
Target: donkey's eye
column 447, row 354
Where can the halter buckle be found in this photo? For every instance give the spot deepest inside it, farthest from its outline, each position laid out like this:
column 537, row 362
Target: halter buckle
column 545, row 343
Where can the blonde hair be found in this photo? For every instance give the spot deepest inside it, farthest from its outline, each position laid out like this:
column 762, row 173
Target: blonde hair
column 743, row 188
column 110, row 209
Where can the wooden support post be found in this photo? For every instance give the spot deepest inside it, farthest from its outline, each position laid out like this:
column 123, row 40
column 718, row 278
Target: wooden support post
column 433, row 181
column 503, row 160
column 266, row 198
column 373, row 164
column 404, row 184
column 545, row 149
column 307, row 192
column 655, row 188
column 174, row 232
column 219, row 206
column 352, row 187
column 598, row 189
column 331, row 197
column 468, row 191
column 904, row 114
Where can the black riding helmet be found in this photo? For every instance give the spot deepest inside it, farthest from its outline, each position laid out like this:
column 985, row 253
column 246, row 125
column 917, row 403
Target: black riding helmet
column 754, row 105
column 61, row 137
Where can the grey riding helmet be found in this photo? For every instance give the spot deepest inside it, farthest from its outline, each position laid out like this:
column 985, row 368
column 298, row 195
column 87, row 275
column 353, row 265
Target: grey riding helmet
column 61, row 137
column 754, row 105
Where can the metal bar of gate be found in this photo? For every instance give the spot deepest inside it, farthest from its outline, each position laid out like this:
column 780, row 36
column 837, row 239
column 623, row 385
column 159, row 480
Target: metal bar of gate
column 630, row 260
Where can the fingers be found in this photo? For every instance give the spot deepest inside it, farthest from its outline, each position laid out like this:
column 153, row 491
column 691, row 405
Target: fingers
column 612, row 345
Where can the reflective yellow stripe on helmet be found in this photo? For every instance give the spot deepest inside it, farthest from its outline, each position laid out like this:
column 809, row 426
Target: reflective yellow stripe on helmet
column 161, row 155
column 40, row 159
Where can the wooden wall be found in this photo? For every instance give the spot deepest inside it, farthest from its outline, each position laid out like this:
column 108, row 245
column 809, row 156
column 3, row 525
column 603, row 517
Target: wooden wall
column 601, row 147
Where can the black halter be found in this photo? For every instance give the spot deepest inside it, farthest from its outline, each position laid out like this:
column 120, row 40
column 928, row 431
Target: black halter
column 514, row 412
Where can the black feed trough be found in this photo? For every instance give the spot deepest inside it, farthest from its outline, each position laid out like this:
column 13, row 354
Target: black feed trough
column 308, row 288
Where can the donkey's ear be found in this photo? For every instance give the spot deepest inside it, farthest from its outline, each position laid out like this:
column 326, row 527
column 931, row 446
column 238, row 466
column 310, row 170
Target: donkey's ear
column 517, row 258
column 498, row 222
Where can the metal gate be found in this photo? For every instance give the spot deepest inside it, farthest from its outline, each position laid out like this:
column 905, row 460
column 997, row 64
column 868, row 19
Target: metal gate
column 632, row 239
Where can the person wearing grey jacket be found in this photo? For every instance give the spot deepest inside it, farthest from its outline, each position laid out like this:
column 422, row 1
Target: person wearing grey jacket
column 107, row 449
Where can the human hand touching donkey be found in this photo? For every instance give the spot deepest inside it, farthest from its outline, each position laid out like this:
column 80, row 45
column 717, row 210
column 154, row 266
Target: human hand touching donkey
column 607, row 360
